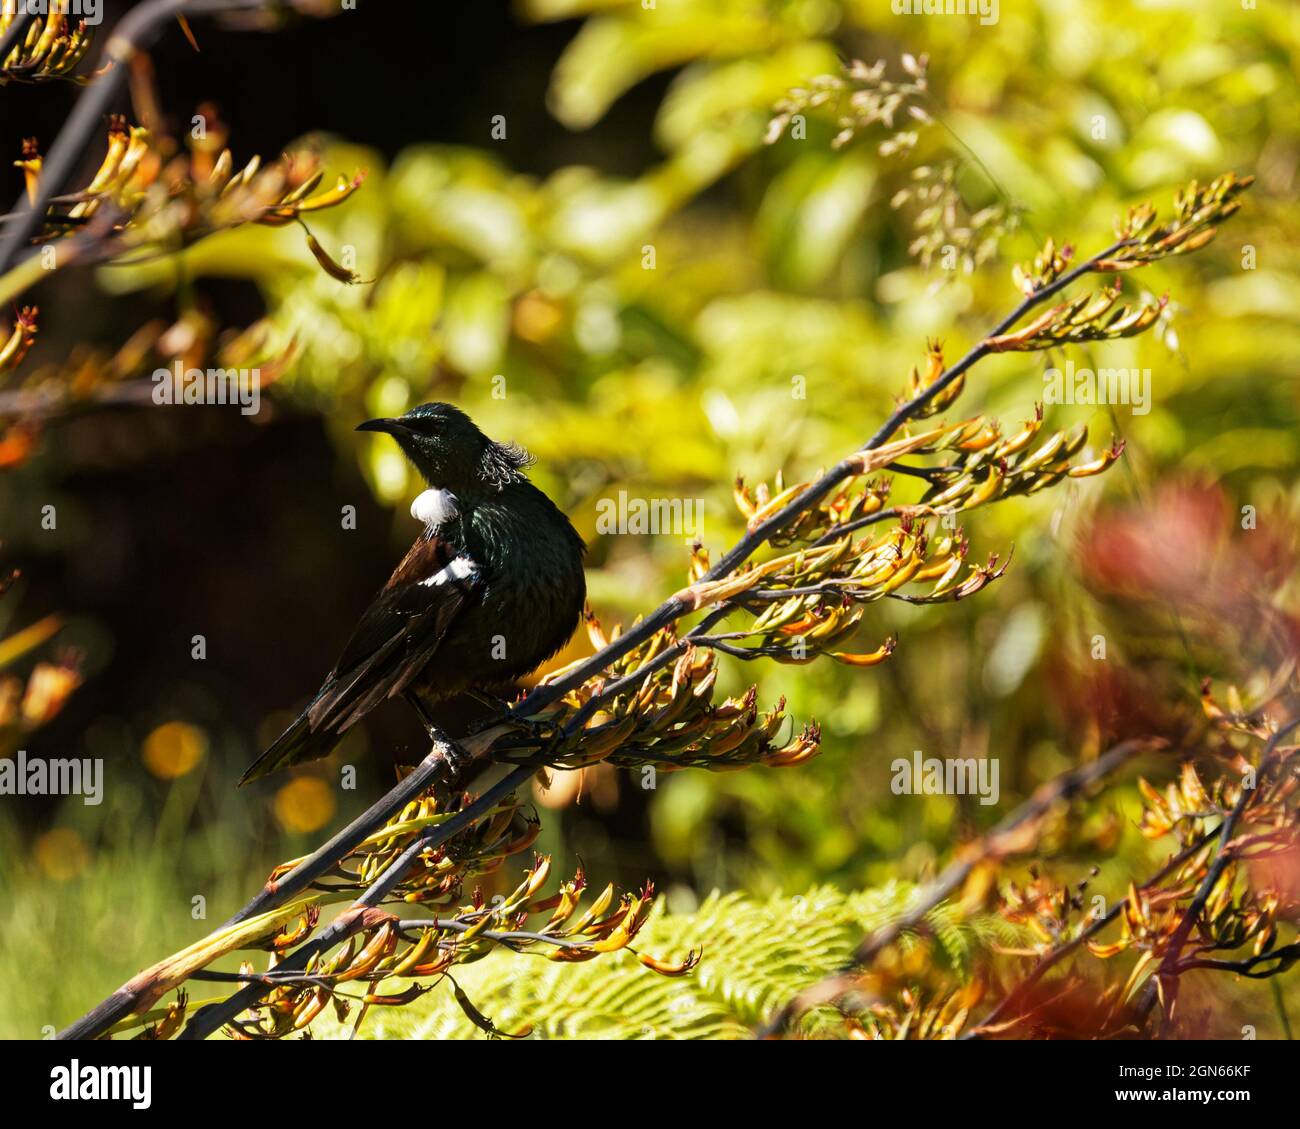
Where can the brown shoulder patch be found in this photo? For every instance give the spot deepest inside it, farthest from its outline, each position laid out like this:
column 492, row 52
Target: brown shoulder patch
column 427, row 556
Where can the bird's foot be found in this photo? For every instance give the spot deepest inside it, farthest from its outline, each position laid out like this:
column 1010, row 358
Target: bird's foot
column 492, row 702
column 456, row 757
column 534, row 732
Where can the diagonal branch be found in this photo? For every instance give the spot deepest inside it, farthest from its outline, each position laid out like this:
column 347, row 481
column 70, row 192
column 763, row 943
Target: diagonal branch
column 1007, row 837
column 137, row 30
column 16, row 32
column 1165, row 981
column 359, row 915
column 1049, row 960
column 446, row 762
column 688, row 600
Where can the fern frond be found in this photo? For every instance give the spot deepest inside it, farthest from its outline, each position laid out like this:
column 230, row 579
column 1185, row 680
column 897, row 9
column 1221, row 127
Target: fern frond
column 757, row 954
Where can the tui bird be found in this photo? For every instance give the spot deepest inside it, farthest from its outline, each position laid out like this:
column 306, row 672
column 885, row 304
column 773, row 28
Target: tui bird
column 492, row 588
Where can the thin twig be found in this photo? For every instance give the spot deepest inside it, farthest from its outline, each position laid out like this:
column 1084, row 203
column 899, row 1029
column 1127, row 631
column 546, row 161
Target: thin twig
column 682, row 603
column 1165, row 981
column 1001, row 840
column 211, row 1018
column 440, row 765
column 1246, row 966
column 1049, row 960
column 136, row 31
column 16, row 32
column 437, row 765
column 674, row 608
column 838, row 531
column 505, row 936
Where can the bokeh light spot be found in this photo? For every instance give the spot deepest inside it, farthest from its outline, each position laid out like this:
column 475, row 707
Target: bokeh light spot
column 173, row 749
column 61, row 854
column 304, row 804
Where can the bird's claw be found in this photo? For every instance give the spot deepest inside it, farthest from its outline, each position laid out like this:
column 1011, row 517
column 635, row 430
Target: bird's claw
column 537, row 733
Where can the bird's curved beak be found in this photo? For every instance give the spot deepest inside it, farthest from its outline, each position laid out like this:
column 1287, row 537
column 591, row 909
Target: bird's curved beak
column 391, row 426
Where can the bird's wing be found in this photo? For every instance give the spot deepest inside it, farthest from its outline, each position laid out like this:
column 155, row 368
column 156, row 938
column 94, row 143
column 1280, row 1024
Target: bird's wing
column 399, row 632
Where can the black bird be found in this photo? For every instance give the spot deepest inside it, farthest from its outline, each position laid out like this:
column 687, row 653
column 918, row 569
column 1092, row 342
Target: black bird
column 491, row 589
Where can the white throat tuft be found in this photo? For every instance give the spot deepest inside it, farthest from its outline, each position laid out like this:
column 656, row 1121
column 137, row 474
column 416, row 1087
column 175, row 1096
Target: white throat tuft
column 435, row 508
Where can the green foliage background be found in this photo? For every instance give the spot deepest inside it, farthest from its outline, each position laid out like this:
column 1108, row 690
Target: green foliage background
column 759, row 954
column 770, row 263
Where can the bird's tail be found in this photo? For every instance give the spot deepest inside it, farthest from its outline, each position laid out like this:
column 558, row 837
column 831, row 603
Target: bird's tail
column 296, row 744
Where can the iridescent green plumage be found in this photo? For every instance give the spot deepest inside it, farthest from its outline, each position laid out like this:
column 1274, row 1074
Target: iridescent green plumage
column 477, row 602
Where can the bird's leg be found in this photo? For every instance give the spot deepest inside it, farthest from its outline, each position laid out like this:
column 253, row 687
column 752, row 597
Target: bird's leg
column 539, row 733
column 494, row 703
column 543, row 733
column 451, row 750
column 426, row 719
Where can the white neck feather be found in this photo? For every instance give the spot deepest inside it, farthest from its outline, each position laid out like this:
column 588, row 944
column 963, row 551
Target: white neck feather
column 435, row 508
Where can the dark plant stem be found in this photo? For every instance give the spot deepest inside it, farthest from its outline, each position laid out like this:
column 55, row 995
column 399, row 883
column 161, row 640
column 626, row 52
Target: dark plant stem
column 679, row 605
column 996, row 843
column 683, row 603
column 1047, row 962
column 136, row 31
column 435, row 767
column 1166, row 978
column 835, row 533
column 17, row 31
column 211, row 1018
